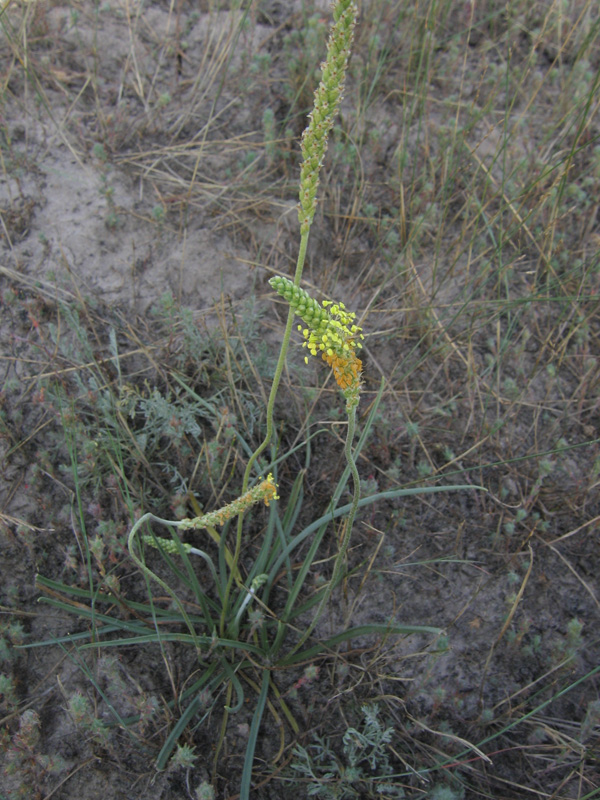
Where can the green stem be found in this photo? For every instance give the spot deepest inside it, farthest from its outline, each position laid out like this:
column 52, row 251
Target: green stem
column 341, row 556
column 148, row 572
column 270, row 425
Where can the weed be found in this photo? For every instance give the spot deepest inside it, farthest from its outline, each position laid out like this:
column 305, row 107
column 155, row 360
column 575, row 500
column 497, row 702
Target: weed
column 9, row 692
column 84, row 718
column 12, row 634
column 183, row 757
column 303, row 48
column 363, row 768
column 442, row 791
column 205, row 791
column 26, row 771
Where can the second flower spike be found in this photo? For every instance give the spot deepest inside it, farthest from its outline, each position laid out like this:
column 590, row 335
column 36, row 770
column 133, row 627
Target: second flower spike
column 330, row 331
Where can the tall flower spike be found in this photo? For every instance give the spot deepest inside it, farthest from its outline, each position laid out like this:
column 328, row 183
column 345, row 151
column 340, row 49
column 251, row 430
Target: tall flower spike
column 327, row 100
column 330, row 331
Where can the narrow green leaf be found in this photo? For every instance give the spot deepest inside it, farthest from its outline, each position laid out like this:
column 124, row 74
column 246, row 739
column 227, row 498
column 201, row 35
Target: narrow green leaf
column 353, row 633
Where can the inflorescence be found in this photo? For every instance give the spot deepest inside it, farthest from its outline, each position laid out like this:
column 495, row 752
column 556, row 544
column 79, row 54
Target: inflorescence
column 327, row 100
column 330, row 330
column 266, row 491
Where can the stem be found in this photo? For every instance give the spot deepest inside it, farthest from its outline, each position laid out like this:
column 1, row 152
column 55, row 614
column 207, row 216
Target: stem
column 280, row 364
column 270, row 409
column 339, row 560
column 314, row 144
column 243, row 607
column 148, row 572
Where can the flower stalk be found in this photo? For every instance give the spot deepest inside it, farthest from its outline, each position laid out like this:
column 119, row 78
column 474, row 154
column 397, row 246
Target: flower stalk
column 314, row 144
column 266, row 491
column 330, row 331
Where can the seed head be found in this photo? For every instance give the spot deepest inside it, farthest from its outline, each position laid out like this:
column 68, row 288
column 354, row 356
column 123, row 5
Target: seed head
column 326, row 103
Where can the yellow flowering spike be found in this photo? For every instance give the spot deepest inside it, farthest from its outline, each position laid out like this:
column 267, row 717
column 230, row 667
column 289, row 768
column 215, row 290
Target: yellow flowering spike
column 330, row 331
column 266, row 491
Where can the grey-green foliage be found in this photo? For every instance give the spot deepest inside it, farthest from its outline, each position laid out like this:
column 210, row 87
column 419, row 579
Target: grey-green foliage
column 270, row 134
column 248, row 323
column 76, row 346
column 121, row 422
column 197, row 346
column 362, row 770
column 24, row 770
column 442, row 791
column 180, row 318
column 169, row 415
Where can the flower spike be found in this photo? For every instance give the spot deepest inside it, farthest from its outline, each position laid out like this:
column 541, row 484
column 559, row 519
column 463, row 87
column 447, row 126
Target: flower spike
column 326, row 102
column 331, row 332
column 266, row 491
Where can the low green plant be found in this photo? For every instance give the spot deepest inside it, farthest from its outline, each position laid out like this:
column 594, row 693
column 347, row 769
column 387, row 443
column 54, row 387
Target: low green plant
column 8, row 692
column 302, row 49
column 205, row 791
column 442, row 791
column 84, row 718
column 12, row 634
column 25, row 770
column 362, row 769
